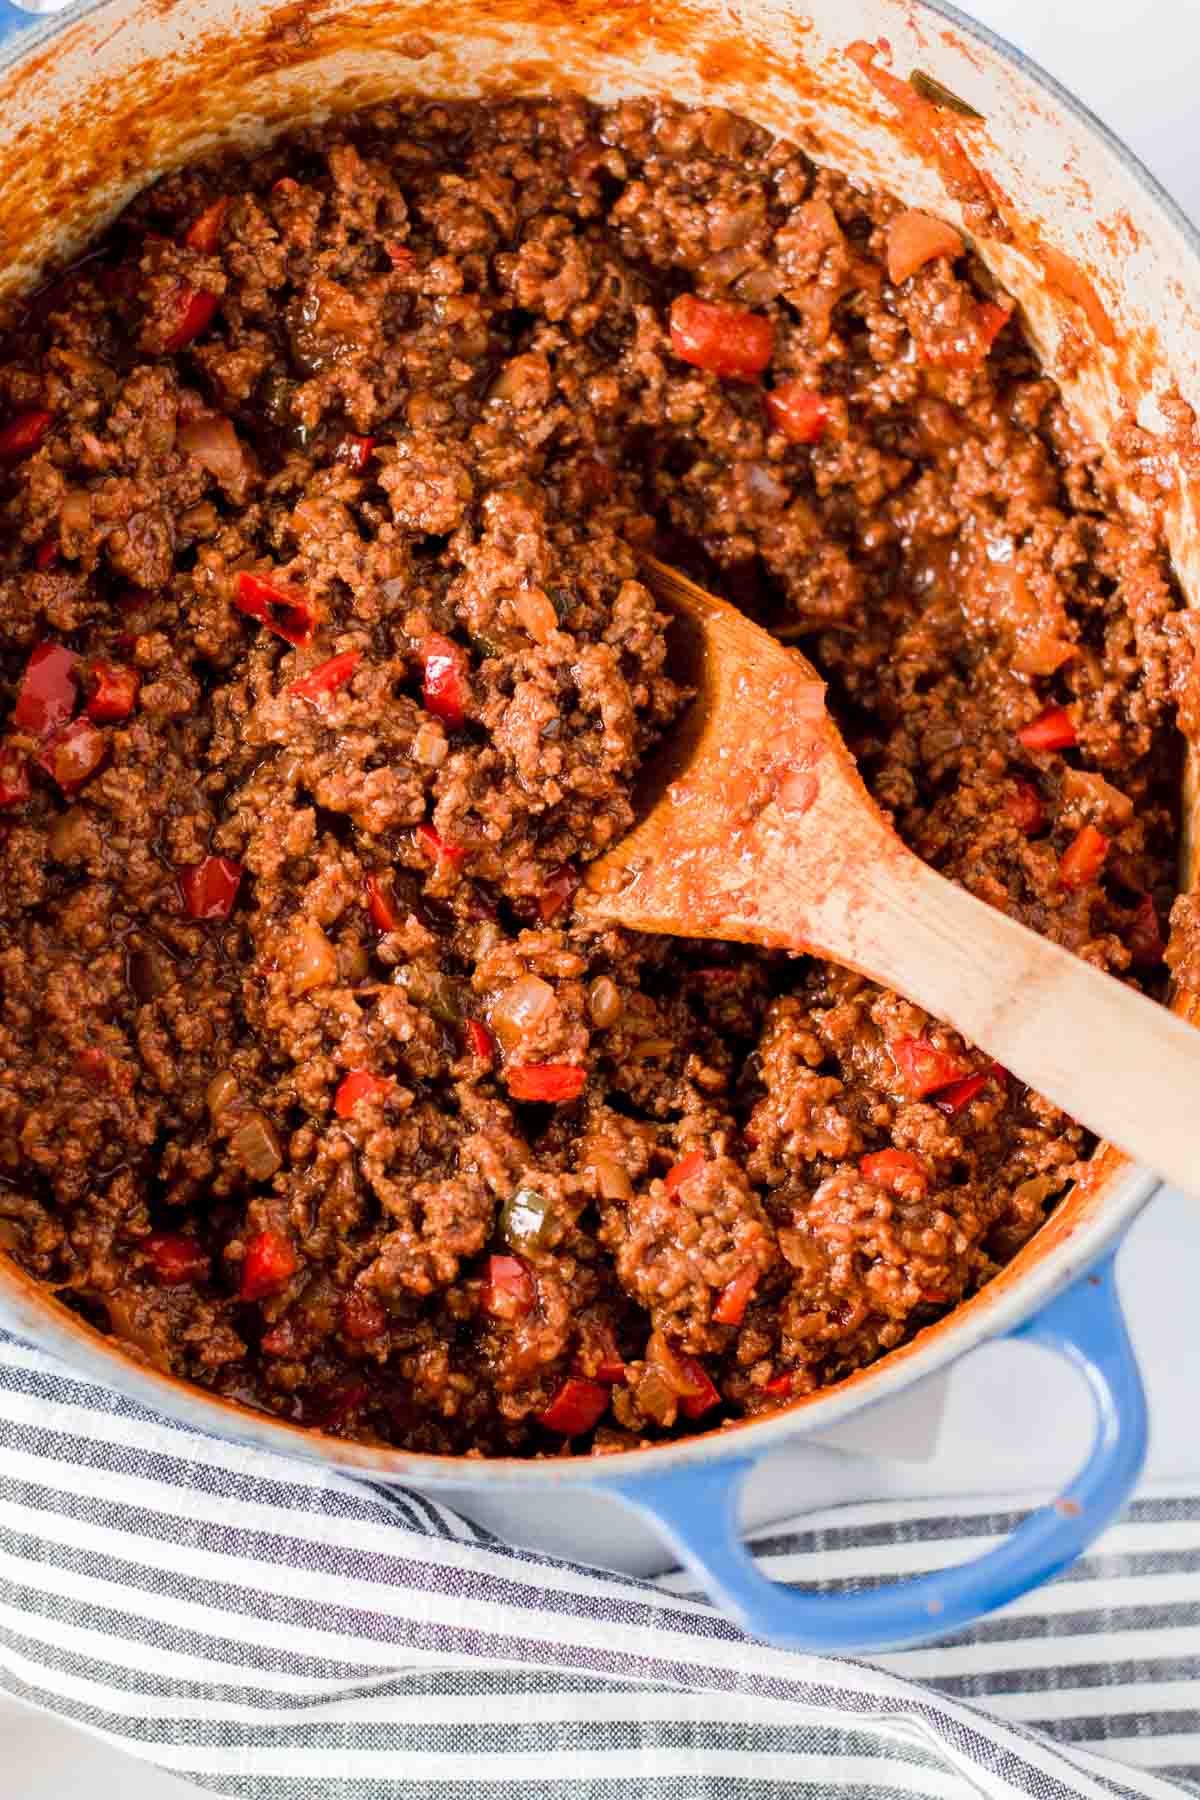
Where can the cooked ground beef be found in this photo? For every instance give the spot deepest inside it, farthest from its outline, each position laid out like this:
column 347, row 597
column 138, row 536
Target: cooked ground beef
column 326, row 666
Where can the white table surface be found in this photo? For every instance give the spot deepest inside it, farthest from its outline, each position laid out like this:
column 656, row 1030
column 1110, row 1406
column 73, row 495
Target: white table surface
column 1018, row 1417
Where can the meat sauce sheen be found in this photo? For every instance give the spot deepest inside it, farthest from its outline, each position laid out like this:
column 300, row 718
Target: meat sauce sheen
column 325, row 668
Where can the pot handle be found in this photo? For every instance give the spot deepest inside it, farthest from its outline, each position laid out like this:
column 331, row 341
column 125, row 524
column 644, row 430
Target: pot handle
column 695, row 1511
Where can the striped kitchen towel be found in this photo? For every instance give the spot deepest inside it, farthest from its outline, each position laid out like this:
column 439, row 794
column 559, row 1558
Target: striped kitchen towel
column 263, row 1628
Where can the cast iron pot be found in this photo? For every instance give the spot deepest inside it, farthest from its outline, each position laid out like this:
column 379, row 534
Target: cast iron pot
column 98, row 99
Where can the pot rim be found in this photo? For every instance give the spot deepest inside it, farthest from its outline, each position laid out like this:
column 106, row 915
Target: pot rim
column 1114, row 1201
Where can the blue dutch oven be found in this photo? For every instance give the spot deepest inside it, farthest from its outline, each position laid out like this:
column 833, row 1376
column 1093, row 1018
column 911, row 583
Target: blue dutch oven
column 96, row 100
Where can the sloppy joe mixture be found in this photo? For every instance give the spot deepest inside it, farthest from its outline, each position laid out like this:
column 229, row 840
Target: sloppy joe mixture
column 325, row 669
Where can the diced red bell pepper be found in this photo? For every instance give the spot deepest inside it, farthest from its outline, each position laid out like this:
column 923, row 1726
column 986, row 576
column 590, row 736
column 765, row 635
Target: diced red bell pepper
column 358, row 1085
column 436, row 847
column 209, row 888
column 552, row 1082
column 93, row 1066
column 176, row 1258
column 683, row 1171
column 14, row 778
column 288, row 611
column 798, row 411
column 971, row 345
column 114, row 691
column 1083, row 858
column 1145, row 938
column 1051, row 730
column 204, row 233
column 508, row 1288
column 1024, row 808
column 46, row 554
column 703, row 1394
column 923, row 1067
column 74, row 754
column 481, row 1041
column 270, row 1264
column 559, row 888
column 362, row 1317
column 355, row 452
column 951, row 1100
column 23, row 433
column 735, row 1296
column 780, row 1386
column 193, row 314
column 442, row 680
column 611, row 1367
column 577, row 1406
column 327, row 677
column 726, row 340
column 49, row 693
column 381, row 903
column 893, row 1169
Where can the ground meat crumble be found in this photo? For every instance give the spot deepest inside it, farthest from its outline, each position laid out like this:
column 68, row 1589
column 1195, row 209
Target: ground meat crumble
column 325, row 666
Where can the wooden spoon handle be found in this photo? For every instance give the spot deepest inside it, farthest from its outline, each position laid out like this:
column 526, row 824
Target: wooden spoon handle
column 1120, row 1064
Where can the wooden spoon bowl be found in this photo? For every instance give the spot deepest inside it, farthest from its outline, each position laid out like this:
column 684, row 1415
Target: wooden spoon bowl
column 759, row 829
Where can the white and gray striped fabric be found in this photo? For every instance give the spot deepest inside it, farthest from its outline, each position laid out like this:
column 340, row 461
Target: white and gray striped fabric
column 265, row 1629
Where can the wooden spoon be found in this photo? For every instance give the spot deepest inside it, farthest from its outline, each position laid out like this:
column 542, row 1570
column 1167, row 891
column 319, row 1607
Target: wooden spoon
column 761, row 831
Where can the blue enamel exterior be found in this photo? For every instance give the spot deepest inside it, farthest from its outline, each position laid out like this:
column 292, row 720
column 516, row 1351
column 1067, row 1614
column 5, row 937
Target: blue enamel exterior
column 695, row 1510
column 12, row 20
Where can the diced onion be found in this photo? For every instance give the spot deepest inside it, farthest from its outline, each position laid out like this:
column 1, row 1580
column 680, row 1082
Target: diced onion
column 664, row 1359
column 214, row 444
column 656, row 1397
column 611, row 1179
column 222, row 1092
column 757, row 286
column 1107, row 803
column 735, row 224
column 1042, row 654
column 604, row 1002
column 765, row 485
column 519, row 1009
column 70, row 836
column 313, row 958
column 914, row 239
column 75, row 513
column 354, row 964
column 536, row 612
column 429, row 746
column 255, row 1144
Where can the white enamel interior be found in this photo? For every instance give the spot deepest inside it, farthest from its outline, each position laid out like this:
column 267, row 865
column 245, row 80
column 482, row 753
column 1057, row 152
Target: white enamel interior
column 96, row 103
